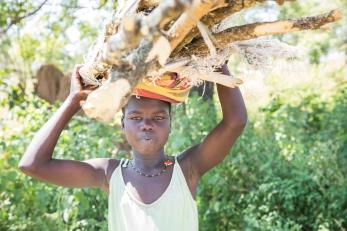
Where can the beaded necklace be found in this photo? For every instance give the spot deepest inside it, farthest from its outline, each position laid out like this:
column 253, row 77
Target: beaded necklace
column 167, row 163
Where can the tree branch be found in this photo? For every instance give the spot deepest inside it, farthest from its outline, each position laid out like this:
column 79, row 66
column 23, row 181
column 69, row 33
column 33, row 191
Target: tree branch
column 212, row 18
column 254, row 30
column 131, row 67
column 216, row 16
column 139, row 44
column 145, row 4
column 188, row 20
column 18, row 19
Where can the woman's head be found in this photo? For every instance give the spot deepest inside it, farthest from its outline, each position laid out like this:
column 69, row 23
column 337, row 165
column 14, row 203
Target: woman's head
column 146, row 124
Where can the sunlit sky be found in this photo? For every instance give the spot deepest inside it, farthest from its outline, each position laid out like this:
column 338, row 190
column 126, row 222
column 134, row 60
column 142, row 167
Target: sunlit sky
column 86, row 13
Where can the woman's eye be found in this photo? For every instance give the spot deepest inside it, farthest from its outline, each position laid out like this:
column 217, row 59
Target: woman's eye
column 159, row 118
column 135, row 118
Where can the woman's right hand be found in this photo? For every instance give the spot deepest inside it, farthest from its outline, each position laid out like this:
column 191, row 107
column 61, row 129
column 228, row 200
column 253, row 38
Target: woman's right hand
column 79, row 92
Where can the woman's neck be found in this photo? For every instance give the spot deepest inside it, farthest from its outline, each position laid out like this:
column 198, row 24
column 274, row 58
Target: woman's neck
column 149, row 162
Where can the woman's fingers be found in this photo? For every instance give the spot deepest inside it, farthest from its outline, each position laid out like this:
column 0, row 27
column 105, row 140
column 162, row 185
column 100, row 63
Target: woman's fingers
column 77, row 85
column 87, row 92
column 77, row 74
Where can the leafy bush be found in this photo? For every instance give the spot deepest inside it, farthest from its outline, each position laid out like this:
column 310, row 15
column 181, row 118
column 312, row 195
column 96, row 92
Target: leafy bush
column 285, row 173
column 28, row 204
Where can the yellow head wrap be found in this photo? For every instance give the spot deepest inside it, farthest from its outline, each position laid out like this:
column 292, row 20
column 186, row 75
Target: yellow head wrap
column 169, row 87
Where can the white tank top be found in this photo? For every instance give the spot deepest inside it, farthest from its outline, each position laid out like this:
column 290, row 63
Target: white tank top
column 174, row 210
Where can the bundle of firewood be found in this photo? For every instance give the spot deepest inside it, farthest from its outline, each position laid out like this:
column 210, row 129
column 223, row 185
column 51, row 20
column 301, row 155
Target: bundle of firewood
column 147, row 38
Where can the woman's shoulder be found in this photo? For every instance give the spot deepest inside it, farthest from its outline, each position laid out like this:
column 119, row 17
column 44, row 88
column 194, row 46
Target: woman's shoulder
column 112, row 164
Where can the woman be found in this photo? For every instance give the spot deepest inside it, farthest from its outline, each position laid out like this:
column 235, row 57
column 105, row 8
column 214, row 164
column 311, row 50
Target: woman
column 152, row 191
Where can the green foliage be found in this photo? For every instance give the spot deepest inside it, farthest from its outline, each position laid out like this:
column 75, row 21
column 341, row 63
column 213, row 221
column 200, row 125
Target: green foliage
column 285, row 173
column 12, row 10
column 28, row 204
column 186, row 133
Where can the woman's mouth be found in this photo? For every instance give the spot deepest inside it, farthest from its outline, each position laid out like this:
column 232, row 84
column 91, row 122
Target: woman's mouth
column 147, row 136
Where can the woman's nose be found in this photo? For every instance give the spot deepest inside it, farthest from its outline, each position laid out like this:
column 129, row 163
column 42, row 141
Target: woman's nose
column 147, row 124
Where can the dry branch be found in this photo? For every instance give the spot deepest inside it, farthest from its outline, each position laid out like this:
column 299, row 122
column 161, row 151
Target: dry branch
column 188, row 20
column 254, row 30
column 104, row 102
column 212, row 18
column 216, row 16
column 139, row 42
column 147, row 4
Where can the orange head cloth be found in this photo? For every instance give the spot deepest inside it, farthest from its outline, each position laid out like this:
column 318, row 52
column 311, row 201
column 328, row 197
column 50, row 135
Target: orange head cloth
column 169, row 87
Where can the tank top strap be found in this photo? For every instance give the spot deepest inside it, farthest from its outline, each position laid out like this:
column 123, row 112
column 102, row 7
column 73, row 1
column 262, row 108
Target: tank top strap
column 182, row 180
column 124, row 162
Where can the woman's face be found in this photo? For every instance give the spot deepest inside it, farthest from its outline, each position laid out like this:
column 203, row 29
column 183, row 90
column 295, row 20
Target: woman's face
column 146, row 124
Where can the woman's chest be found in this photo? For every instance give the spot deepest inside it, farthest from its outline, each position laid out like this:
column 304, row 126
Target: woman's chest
column 146, row 190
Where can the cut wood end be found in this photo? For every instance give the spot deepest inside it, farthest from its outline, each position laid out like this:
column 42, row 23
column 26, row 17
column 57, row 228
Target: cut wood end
column 336, row 14
column 88, row 73
column 129, row 24
column 106, row 101
column 161, row 49
column 325, row 27
column 226, row 80
column 280, row 2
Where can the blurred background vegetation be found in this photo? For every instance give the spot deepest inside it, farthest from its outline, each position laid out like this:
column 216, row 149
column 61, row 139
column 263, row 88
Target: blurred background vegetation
column 287, row 171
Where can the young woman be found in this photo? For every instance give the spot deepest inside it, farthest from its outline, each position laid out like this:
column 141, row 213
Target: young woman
column 153, row 190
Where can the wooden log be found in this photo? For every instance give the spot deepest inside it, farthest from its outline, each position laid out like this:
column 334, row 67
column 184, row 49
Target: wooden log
column 254, row 30
column 216, row 16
